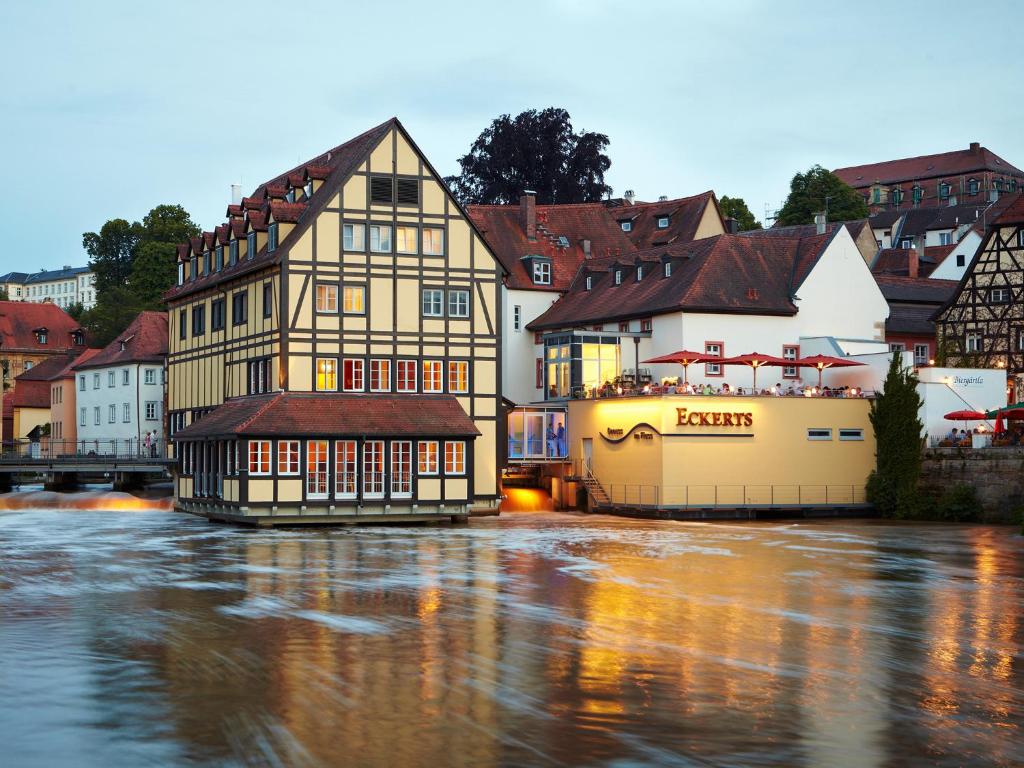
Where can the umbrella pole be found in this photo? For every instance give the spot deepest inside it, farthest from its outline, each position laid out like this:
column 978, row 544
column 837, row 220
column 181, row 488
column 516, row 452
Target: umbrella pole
column 686, row 373
column 755, row 378
column 820, row 371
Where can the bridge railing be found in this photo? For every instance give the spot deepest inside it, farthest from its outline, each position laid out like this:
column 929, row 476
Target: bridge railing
column 110, row 449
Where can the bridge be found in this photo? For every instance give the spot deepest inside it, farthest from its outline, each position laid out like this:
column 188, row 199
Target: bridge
column 126, row 461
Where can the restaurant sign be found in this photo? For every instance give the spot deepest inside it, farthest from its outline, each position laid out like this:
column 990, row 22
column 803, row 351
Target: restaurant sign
column 688, row 418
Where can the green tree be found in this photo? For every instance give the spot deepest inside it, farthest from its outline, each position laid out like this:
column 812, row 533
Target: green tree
column 112, row 313
column 111, row 253
column 3, row 295
column 536, row 150
column 820, row 190
column 736, row 208
column 76, row 310
column 892, row 487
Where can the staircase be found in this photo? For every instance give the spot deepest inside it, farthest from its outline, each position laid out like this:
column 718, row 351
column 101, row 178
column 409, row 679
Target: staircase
column 597, row 493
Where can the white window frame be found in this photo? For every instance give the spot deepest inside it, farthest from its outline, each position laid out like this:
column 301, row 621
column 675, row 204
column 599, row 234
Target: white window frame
column 358, row 365
column 517, row 318
column 945, row 238
column 627, row 226
column 353, row 237
column 436, row 383
column 663, row 222
column 95, row 380
column 847, row 434
column 327, row 298
column 541, row 272
column 126, row 413
column 289, row 456
column 456, row 467
column 378, row 364
column 456, row 306
column 348, row 299
column 432, row 302
column 262, row 454
column 81, row 383
column 316, row 374
column 317, row 479
column 922, row 358
column 150, row 376
column 111, row 379
column 404, row 229
column 373, row 481
column 428, row 458
column 435, row 236
column 112, row 413
column 380, row 232
column 96, row 415
column 151, row 410
column 819, row 434
column 457, row 365
column 125, row 377
column 401, row 481
column 346, row 469
column 83, row 416
column 972, row 342
column 401, row 382
column 618, row 277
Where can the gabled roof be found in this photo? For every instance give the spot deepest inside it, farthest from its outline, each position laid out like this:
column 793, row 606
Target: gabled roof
column 502, row 228
column 67, row 372
column 14, row 277
column 916, row 290
column 20, row 320
column 144, row 341
column 741, row 274
column 1013, row 213
column 335, row 165
column 896, row 261
column 322, row 414
column 955, row 163
column 685, row 215
column 45, row 370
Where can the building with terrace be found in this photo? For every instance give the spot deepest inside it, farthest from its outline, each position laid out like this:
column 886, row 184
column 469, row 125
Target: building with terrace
column 335, row 347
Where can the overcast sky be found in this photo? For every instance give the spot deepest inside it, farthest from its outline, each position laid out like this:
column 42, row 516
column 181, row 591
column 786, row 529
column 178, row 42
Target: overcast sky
column 110, row 108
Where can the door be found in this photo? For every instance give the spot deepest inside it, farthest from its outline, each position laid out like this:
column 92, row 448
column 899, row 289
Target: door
column 588, row 453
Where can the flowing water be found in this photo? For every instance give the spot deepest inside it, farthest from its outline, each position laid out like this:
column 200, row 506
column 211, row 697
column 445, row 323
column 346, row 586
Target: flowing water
column 136, row 638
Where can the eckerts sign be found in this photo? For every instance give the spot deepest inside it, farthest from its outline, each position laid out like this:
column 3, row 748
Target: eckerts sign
column 712, row 418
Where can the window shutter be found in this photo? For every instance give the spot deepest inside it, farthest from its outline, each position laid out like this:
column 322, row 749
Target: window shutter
column 382, row 189
column 407, row 192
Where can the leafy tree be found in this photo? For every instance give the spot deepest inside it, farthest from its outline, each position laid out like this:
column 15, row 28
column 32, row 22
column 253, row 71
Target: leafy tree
column 154, row 271
column 535, row 150
column 3, row 295
column 892, row 487
column 819, row 190
column 76, row 311
column 112, row 313
column 111, row 253
column 736, row 208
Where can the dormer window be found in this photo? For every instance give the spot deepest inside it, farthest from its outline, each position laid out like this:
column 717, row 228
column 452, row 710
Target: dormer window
column 290, row 197
column 181, row 272
column 233, row 252
column 541, row 272
column 124, row 345
column 41, row 335
column 997, row 185
column 639, row 272
column 206, row 262
column 627, row 226
column 666, row 269
column 193, row 269
column 589, row 282
column 250, row 245
column 618, row 277
column 943, row 191
column 308, row 189
column 272, row 237
column 896, row 196
column 77, row 338
column 219, row 264
column 972, row 186
column 663, row 222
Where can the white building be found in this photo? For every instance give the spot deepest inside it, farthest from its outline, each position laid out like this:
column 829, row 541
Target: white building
column 64, row 287
column 120, row 391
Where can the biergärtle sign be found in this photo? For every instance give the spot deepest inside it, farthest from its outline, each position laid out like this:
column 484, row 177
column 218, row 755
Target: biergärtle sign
column 688, row 418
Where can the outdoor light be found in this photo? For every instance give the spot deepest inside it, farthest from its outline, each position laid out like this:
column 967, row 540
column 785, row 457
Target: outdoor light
column 773, row 390
column 618, row 390
column 931, row 362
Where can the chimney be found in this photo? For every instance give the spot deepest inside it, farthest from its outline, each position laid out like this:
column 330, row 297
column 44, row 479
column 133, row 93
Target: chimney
column 586, row 248
column 528, row 213
column 915, row 256
column 819, row 222
column 732, row 226
column 975, row 148
column 629, row 196
column 236, row 194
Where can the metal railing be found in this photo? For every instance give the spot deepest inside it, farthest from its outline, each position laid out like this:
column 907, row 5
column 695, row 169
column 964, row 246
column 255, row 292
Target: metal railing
column 112, row 449
column 642, row 495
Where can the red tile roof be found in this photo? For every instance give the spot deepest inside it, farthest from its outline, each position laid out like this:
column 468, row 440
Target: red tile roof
column 916, row 290
column 1014, row 210
column 955, row 163
column 19, row 321
column 144, row 341
column 67, row 372
column 45, row 370
column 896, row 261
column 502, row 228
column 685, row 215
column 289, row 212
column 338, row 162
column 721, row 274
column 322, row 414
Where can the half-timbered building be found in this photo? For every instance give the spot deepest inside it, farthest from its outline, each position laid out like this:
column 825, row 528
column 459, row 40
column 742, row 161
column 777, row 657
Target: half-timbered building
column 982, row 326
column 335, row 347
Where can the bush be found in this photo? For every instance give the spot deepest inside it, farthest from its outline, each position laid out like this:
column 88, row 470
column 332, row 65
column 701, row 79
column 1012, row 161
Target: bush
column 959, row 504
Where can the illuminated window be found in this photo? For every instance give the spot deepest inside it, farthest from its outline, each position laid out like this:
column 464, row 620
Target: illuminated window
column 373, row 469
column 287, row 457
column 406, row 376
column 432, row 372
column 354, row 299
column 345, row 469
column 352, row 375
column 326, row 297
column 433, row 241
column 455, row 458
column 316, row 469
column 428, row 457
column 380, row 375
column 401, row 469
column 458, row 376
column 326, row 374
column 406, row 239
column 259, row 457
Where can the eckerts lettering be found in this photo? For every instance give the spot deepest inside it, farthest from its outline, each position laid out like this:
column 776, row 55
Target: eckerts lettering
column 712, row 418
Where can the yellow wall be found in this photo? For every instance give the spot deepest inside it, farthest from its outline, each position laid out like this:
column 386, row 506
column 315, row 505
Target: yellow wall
column 686, row 459
column 710, row 223
column 27, row 419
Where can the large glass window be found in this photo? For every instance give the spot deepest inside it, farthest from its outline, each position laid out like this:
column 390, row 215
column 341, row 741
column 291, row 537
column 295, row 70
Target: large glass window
column 373, row 469
column 401, row 469
column 316, row 469
column 580, row 365
column 345, row 468
column 259, row 457
column 326, row 374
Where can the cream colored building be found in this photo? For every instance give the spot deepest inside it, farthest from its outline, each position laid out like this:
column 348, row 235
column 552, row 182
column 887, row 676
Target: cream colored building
column 335, row 347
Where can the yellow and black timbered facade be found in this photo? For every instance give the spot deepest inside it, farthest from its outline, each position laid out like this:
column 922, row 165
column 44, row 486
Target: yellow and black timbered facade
column 357, row 281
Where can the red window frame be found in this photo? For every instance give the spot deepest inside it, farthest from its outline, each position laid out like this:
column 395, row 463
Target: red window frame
column 538, row 337
column 645, row 325
column 539, row 374
column 721, row 353
column 796, row 355
column 624, row 327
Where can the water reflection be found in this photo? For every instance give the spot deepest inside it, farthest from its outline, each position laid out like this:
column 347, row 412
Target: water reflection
column 537, row 639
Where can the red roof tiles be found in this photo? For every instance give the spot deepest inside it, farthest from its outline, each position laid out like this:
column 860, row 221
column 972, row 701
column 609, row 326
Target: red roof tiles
column 955, row 163
column 685, row 215
column 19, row 322
column 288, row 212
column 144, row 341
column 331, row 415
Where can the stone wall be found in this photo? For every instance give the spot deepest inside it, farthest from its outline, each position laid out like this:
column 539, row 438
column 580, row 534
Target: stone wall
column 996, row 473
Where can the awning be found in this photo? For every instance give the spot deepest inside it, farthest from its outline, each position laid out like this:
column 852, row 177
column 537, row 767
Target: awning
column 323, row 414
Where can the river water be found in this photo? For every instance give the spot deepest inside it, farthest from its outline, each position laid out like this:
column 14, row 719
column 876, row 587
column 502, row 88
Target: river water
column 134, row 638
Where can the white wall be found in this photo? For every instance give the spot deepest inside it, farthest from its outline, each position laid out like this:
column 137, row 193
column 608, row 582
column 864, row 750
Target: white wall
column 967, row 247
column 840, row 297
column 518, row 364
column 959, row 389
column 136, row 393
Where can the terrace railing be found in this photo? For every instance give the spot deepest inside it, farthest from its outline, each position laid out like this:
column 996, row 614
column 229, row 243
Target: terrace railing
column 111, row 449
column 643, row 496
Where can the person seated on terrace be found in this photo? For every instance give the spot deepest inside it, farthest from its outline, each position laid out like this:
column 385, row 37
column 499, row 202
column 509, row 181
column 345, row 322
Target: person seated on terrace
column 953, row 434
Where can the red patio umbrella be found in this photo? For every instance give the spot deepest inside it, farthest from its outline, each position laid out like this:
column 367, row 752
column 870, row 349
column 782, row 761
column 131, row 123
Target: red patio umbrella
column 821, row 362
column 684, row 358
column 755, row 360
column 964, row 416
